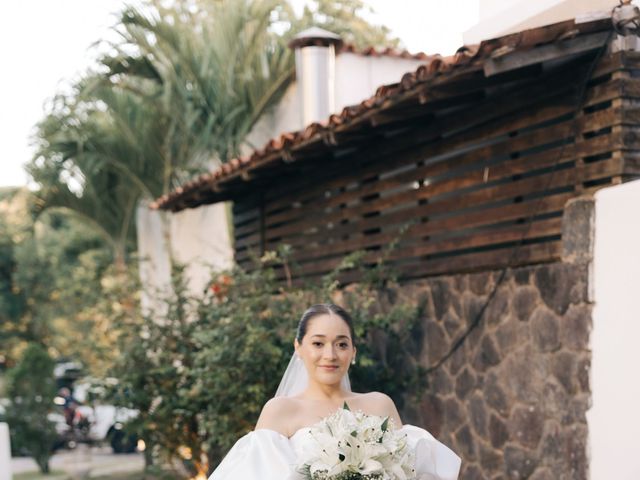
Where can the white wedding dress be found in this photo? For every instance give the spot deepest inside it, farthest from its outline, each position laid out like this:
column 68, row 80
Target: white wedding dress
column 268, row 455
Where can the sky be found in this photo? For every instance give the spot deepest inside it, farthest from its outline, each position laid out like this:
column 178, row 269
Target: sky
column 46, row 44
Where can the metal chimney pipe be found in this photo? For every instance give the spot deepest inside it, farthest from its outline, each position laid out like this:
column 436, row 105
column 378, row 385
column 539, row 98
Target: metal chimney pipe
column 315, row 51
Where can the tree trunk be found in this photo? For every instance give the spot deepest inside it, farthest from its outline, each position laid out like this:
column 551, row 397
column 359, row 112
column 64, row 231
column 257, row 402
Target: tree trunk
column 43, row 462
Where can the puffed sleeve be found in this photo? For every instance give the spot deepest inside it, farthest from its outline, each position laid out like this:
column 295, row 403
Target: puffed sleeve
column 259, row 455
column 434, row 460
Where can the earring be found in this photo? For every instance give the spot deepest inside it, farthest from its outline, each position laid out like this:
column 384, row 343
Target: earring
column 353, row 362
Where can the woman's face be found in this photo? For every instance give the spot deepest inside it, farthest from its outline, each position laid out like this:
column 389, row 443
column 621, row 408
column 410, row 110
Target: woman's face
column 326, row 349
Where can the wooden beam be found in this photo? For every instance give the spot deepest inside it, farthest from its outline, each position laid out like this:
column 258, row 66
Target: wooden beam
column 519, row 59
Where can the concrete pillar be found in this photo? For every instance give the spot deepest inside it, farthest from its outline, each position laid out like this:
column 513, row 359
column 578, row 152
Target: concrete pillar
column 614, row 417
column 5, row 452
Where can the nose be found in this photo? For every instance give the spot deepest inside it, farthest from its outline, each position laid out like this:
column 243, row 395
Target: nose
column 330, row 351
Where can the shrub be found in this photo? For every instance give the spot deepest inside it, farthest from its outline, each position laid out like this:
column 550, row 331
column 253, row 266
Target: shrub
column 201, row 373
column 31, row 389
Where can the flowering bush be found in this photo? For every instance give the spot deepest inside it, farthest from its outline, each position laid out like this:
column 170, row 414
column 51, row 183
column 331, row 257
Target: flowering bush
column 201, row 375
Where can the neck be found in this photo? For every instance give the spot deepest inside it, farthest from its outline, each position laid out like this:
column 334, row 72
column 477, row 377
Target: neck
column 320, row 391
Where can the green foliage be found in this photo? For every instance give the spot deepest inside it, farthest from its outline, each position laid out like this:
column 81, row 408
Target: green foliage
column 54, row 278
column 31, row 388
column 201, row 372
column 346, row 18
column 84, row 160
column 176, row 96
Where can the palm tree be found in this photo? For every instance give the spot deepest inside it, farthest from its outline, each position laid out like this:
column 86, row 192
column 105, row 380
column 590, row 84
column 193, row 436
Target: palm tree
column 214, row 71
column 177, row 94
column 90, row 160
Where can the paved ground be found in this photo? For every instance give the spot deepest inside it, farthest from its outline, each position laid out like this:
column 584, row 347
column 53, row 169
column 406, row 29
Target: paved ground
column 96, row 461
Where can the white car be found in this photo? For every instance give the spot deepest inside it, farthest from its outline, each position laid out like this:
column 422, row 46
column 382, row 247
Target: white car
column 96, row 422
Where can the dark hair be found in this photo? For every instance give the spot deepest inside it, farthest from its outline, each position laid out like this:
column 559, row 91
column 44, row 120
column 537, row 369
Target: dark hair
column 324, row 309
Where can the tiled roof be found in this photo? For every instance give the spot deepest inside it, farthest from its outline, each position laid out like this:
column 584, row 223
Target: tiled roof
column 385, row 52
column 435, row 68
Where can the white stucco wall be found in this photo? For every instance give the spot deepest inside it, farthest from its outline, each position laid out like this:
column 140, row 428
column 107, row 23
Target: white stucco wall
column 356, row 78
column 5, row 453
column 154, row 262
column 614, row 417
column 198, row 238
column 501, row 17
column 284, row 117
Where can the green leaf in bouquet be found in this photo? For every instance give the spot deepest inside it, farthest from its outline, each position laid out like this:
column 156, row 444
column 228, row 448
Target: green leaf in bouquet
column 385, row 425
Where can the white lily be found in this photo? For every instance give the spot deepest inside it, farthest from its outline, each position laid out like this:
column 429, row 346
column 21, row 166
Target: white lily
column 365, row 445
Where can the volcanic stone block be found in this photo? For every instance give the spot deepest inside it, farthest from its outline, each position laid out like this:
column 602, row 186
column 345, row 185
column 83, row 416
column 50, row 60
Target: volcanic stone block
column 461, row 283
column 519, row 463
column 442, row 296
column 466, row 443
column 555, row 283
column 583, row 368
column 480, row 283
column 441, row 381
column 495, row 396
column 545, row 328
column 436, row 344
column 522, row 276
column 458, row 359
column 523, row 373
column 471, row 307
column 575, row 452
column 509, row 334
column 490, row 459
column 543, row 474
column 473, row 472
column 487, row 356
column 498, row 307
column 452, row 323
column 525, row 426
column 465, row 382
column 432, row 412
column 525, row 300
column 556, row 402
column 564, row 368
column 453, row 415
column 551, row 443
column 498, row 432
column 575, row 327
column 477, row 411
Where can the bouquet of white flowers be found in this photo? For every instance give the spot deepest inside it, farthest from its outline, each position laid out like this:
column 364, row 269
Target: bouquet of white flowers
column 355, row 446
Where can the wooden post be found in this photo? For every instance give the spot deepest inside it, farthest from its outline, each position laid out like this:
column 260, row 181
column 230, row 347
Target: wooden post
column 5, row 452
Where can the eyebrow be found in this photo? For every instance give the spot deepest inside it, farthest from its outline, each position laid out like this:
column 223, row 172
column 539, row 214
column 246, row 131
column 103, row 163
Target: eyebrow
column 339, row 336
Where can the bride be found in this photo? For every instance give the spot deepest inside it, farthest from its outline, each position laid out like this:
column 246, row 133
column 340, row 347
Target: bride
column 316, row 385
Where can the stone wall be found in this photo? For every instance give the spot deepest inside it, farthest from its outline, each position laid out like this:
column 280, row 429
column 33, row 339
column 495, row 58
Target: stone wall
column 511, row 401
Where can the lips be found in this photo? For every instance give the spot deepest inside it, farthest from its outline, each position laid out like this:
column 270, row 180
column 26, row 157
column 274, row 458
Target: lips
column 329, row 367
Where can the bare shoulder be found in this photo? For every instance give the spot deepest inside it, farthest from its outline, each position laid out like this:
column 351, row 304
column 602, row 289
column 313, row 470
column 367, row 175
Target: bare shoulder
column 275, row 413
column 380, row 404
column 378, row 399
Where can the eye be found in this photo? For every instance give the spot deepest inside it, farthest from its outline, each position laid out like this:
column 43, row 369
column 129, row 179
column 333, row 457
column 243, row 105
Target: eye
column 316, row 344
column 343, row 345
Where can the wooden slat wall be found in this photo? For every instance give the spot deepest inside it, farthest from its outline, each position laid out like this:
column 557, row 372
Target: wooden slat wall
column 457, row 200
